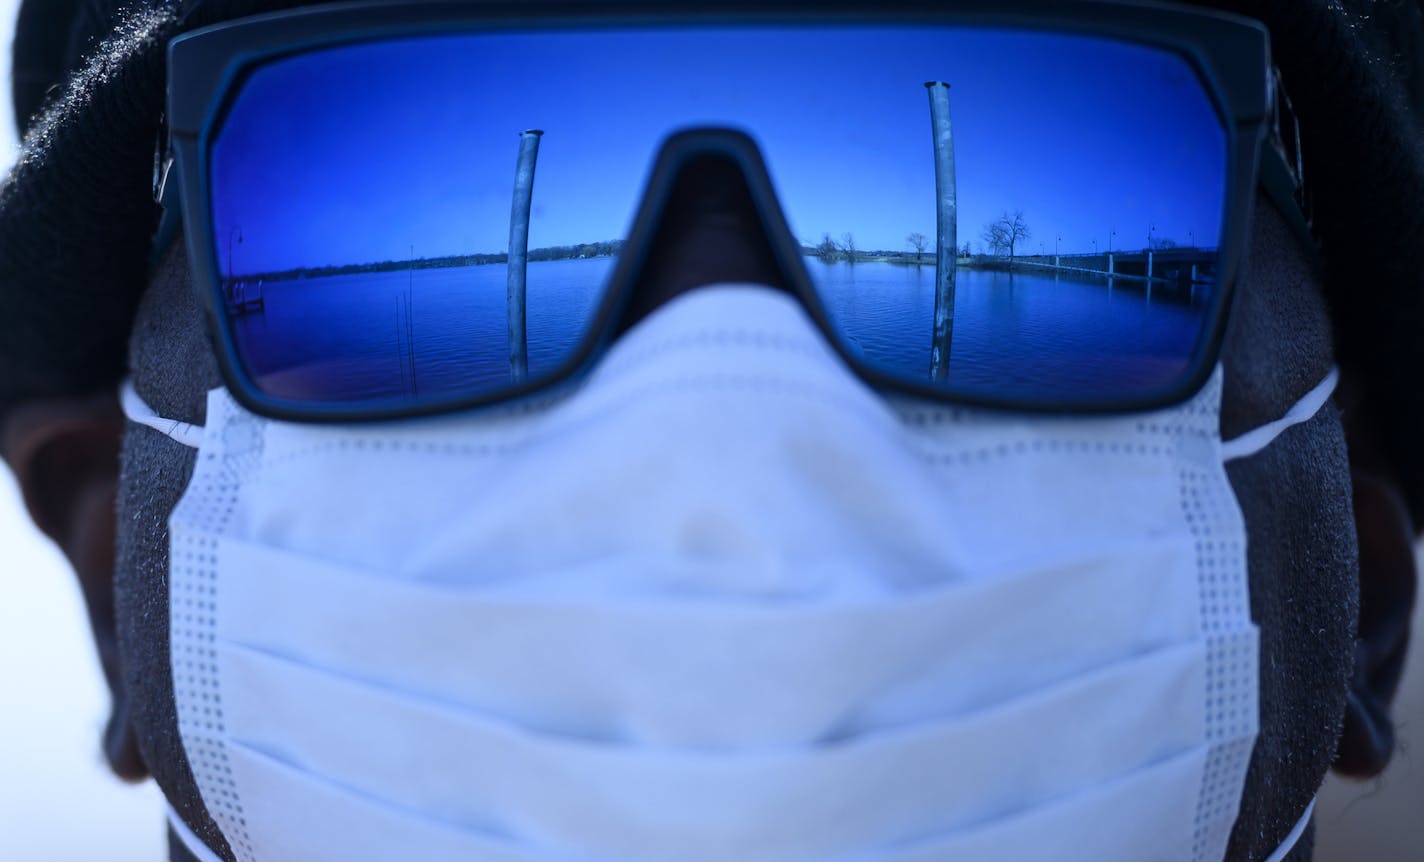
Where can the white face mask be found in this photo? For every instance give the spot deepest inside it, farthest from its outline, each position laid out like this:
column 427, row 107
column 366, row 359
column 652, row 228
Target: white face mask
column 722, row 603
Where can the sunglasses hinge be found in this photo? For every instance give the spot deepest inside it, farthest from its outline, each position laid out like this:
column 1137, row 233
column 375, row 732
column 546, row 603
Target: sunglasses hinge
column 1285, row 140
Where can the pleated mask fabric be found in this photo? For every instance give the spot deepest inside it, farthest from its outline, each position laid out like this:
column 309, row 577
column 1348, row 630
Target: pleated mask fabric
column 720, row 602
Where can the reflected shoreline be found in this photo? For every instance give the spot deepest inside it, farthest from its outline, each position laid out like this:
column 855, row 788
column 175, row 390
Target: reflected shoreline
column 1037, row 265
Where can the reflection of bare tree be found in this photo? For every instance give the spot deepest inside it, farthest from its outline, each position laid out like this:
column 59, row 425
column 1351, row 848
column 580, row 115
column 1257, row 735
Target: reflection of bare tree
column 993, row 238
column 919, row 242
column 1006, row 232
column 847, row 247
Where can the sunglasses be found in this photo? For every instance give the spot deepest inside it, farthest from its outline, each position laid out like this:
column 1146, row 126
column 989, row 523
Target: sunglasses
column 398, row 209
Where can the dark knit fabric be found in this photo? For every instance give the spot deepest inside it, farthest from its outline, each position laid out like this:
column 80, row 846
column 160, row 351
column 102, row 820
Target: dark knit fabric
column 76, row 214
column 1353, row 70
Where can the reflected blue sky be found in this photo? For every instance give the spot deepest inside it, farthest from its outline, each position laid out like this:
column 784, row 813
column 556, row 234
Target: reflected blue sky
column 356, row 154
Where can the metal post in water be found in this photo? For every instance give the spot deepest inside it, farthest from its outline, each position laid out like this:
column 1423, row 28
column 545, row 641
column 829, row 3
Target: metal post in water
column 519, row 253
column 1110, row 264
column 947, row 229
column 1149, row 270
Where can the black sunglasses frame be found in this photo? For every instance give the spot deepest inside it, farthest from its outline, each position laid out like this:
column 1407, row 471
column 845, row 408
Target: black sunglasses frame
column 1230, row 54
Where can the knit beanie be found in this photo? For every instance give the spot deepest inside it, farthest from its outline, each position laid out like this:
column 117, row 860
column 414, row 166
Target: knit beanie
column 77, row 214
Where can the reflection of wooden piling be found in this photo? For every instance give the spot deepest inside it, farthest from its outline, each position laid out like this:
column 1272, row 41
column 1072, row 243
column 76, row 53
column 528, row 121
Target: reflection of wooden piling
column 947, row 233
column 519, row 253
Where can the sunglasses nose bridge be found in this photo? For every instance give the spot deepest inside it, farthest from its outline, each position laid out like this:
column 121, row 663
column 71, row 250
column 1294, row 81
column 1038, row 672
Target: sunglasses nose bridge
column 709, row 216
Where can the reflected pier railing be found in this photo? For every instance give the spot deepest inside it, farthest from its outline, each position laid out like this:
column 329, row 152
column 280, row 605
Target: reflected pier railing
column 1184, row 268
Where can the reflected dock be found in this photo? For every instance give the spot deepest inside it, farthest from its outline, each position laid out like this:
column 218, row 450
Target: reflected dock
column 244, row 296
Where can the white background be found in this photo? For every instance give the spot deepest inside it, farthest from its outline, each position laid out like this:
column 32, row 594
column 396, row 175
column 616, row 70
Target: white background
column 59, row 803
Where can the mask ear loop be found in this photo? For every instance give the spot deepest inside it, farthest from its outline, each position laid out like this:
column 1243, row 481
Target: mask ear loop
column 1253, row 441
column 193, row 843
column 1294, row 837
column 139, row 412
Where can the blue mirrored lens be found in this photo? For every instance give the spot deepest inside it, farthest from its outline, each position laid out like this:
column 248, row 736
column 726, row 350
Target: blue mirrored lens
column 362, row 201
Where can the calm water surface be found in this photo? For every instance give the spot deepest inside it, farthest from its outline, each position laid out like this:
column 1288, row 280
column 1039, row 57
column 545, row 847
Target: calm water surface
column 421, row 333
column 1024, row 331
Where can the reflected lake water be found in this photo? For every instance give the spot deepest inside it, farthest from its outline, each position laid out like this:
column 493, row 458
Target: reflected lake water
column 1027, row 331
column 425, row 332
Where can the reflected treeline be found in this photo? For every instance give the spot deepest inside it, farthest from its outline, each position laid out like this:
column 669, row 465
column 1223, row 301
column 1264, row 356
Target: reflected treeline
column 607, row 248
column 900, row 258
column 844, row 250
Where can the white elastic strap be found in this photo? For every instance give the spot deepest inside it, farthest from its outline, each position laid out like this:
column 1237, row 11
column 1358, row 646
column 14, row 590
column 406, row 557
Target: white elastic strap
column 1291, row 839
column 138, row 411
column 1304, row 410
column 195, row 845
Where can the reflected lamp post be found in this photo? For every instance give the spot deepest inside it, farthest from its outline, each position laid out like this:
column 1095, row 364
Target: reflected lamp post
column 237, row 231
column 1150, row 228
